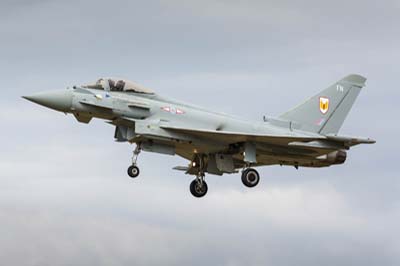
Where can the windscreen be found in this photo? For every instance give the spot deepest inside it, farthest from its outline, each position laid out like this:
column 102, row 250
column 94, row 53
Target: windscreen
column 114, row 84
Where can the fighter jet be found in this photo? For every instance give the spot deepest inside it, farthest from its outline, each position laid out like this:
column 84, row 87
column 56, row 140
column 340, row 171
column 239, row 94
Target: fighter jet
column 212, row 142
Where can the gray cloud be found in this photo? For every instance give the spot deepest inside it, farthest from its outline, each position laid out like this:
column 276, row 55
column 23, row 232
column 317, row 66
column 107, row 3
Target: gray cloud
column 64, row 196
column 309, row 225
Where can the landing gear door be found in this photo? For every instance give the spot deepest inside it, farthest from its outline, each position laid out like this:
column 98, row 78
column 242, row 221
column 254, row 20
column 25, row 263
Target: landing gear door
column 250, row 152
column 225, row 163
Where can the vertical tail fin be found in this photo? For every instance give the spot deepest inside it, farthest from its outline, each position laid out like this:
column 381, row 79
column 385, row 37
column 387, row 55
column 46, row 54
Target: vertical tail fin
column 325, row 112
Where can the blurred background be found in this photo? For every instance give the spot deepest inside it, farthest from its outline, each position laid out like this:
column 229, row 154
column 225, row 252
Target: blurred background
column 65, row 198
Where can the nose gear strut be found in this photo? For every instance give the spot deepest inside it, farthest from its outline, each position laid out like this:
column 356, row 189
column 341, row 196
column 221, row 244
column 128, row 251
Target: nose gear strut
column 133, row 170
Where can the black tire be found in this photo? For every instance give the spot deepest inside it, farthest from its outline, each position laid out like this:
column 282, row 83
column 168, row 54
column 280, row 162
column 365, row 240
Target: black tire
column 198, row 190
column 133, row 171
column 250, row 177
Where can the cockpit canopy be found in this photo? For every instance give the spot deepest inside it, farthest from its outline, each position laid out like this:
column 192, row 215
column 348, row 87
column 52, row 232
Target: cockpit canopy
column 116, row 84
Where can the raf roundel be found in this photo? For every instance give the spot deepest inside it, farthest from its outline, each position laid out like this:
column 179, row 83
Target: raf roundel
column 173, row 110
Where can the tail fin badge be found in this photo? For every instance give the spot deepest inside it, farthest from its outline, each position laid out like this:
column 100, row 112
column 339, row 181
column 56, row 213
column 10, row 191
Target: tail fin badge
column 324, row 104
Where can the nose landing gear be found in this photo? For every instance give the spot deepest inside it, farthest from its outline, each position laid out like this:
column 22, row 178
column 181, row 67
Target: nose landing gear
column 133, row 170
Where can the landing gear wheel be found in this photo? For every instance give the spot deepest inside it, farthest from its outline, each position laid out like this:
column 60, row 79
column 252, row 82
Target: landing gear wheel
column 250, row 177
column 198, row 188
column 133, row 171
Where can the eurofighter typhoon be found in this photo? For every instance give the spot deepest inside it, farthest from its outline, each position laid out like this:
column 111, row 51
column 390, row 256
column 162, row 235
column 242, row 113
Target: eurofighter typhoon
column 215, row 143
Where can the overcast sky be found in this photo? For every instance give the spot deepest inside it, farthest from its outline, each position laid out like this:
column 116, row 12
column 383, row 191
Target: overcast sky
column 65, row 198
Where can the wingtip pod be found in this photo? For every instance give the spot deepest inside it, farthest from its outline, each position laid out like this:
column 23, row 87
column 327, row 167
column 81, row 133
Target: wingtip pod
column 355, row 79
column 350, row 140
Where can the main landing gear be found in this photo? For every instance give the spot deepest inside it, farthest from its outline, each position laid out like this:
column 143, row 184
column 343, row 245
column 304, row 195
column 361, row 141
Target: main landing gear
column 199, row 187
column 133, row 170
column 250, row 177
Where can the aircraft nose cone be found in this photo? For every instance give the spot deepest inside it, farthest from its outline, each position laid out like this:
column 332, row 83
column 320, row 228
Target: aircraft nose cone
column 60, row 100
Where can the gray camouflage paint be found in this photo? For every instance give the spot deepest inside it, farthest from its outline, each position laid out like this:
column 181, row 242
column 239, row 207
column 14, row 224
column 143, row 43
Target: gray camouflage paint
column 306, row 135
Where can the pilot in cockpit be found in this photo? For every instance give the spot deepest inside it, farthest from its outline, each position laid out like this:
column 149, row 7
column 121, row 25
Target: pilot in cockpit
column 119, row 85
